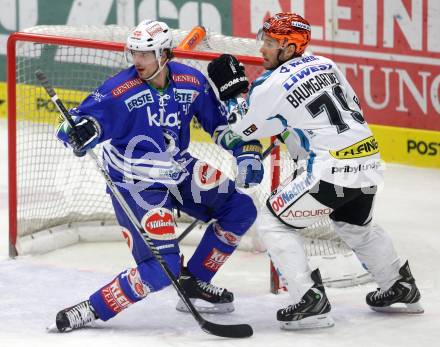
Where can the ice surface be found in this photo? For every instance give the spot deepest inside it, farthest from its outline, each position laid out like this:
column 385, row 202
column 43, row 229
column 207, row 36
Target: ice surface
column 33, row 289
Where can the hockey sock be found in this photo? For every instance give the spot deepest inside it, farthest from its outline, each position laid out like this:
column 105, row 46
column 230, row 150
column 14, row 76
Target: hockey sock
column 132, row 285
column 214, row 249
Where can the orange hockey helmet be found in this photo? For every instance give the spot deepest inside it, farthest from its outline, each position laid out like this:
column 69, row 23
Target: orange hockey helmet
column 288, row 28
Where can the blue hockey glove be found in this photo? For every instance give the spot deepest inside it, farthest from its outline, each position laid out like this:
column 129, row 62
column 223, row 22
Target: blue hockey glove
column 250, row 170
column 84, row 137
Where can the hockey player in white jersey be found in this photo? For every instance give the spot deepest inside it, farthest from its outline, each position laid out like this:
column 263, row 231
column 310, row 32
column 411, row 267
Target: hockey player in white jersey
column 307, row 100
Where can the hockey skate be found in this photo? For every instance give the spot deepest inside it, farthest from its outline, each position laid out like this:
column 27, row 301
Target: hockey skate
column 310, row 312
column 74, row 317
column 404, row 293
column 206, row 297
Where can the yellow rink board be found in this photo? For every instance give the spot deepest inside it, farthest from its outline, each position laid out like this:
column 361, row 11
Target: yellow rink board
column 397, row 145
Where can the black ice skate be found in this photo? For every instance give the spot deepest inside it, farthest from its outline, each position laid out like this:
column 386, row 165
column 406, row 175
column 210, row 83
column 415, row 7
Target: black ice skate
column 206, row 297
column 403, row 294
column 74, row 317
column 312, row 310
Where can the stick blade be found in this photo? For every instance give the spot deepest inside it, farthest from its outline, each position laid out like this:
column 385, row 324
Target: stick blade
column 231, row 331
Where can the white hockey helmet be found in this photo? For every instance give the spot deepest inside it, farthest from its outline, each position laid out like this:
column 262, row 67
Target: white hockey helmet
column 150, row 35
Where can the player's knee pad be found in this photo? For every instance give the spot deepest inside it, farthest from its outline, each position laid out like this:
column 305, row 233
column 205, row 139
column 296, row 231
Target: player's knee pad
column 366, row 239
column 294, row 206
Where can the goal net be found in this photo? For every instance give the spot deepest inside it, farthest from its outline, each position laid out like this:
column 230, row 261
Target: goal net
column 58, row 199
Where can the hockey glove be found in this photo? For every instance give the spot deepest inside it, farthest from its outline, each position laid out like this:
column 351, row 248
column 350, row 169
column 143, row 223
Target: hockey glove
column 250, row 170
column 228, row 76
column 81, row 138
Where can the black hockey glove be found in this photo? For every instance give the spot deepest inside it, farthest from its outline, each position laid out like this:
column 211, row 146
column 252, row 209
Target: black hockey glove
column 228, row 76
column 85, row 136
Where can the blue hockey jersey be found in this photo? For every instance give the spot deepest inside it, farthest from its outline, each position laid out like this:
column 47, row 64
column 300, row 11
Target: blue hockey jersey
column 148, row 129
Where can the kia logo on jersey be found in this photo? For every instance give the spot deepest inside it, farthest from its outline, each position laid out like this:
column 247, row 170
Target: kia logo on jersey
column 162, row 119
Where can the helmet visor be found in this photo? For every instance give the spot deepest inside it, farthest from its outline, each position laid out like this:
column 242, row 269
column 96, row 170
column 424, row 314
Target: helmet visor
column 144, row 57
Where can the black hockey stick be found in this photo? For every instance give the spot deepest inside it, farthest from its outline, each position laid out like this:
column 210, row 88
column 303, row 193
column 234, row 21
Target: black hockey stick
column 233, row 331
column 188, row 229
column 197, row 221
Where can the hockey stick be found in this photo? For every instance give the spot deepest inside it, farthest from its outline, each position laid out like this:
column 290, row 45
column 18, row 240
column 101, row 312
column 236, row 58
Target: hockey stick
column 233, row 331
column 197, row 221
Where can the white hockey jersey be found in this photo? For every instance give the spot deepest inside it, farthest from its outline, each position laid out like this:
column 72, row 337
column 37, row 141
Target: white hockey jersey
column 311, row 99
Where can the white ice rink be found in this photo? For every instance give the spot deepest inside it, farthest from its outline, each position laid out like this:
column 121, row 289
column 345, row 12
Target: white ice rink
column 33, row 289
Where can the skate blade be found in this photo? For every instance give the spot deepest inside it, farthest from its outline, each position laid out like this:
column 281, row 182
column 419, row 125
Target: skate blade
column 314, row 322
column 52, row 328
column 202, row 307
column 414, row 308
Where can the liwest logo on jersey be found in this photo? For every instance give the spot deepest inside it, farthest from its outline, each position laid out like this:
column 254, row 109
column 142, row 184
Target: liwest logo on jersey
column 140, row 99
column 303, row 73
column 185, row 96
column 363, row 148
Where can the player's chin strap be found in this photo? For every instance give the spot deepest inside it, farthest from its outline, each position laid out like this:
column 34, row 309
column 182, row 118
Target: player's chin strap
column 159, row 69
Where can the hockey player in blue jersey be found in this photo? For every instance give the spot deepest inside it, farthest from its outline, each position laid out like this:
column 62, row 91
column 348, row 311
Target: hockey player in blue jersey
column 143, row 115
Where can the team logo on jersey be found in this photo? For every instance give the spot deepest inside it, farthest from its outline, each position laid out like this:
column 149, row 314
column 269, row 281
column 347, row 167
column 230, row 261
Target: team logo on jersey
column 185, row 96
column 98, row 96
column 159, row 224
column 251, row 129
column 363, row 148
column 207, row 177
column 185, row 78
column 305, row 73
column 162, row 119
column 125, row 87
column 138, row 100
column 215, row 259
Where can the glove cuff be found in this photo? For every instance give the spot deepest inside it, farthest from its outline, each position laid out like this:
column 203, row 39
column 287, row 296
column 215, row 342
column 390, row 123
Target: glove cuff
column 252, row 147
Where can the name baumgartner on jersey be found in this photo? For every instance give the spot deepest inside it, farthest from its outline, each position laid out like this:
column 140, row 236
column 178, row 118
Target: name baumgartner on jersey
column 309, row 99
